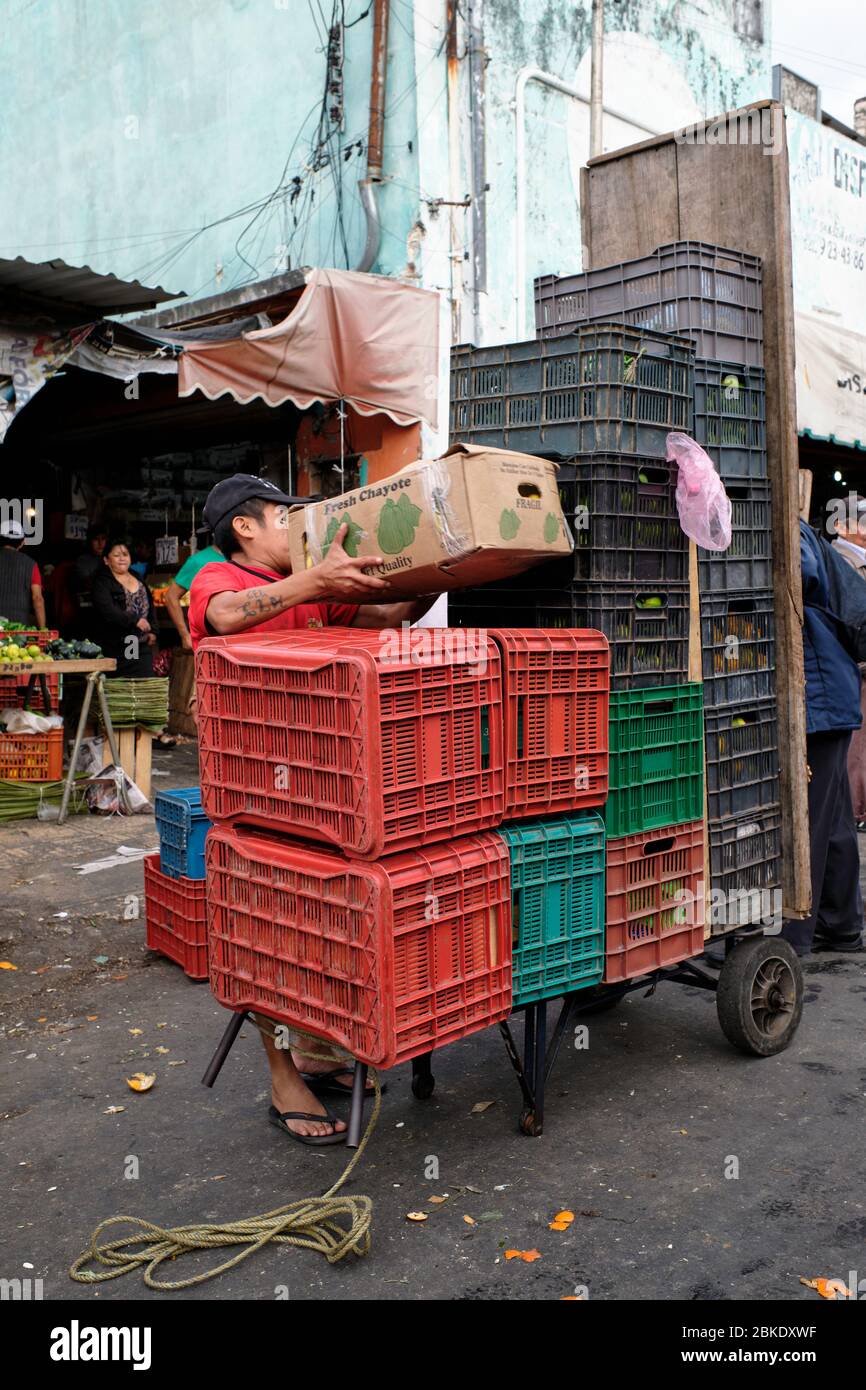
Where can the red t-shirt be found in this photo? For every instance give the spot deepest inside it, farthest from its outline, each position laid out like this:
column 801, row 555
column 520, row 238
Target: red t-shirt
column 226, row 577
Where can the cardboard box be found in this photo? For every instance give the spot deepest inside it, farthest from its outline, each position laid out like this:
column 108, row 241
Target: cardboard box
column 471, row 516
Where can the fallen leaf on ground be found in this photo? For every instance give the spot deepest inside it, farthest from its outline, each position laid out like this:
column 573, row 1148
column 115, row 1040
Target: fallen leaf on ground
column 140, row 1081
column 162, row 1050
column 416, row 1216
column 7, row 965
column 480, row 1106
column 118, row 977
column 683, row 1131
column 136, row 1032
column 572, row 1298
column 437, row 1200
column 178, row 1064
column 469, row 1221
column 526, row 1255
column 114, row 1110
column 490, row 1216
column 100, row 960
column 828, row 1288
column 44, row 1019
column 91, row 1018
column 561, row 1221
column 40, row 971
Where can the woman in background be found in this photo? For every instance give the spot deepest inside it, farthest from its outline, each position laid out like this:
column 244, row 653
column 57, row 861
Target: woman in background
column 123, row 612
column 850, row 545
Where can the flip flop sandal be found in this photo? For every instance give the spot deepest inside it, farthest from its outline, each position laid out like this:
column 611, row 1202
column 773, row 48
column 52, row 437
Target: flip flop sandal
column 313, row 1140
column 322, row 1083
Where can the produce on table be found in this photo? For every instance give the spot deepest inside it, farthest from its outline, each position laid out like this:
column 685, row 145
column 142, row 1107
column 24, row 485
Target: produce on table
column 76, row 650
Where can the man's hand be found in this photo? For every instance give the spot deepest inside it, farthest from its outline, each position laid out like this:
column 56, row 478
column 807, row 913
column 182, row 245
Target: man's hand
column 338, row 576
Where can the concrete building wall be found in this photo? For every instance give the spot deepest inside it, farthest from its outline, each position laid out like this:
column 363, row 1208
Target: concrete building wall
column 161, row 140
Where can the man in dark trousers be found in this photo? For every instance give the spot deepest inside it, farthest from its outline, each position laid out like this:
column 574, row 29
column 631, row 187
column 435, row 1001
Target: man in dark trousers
column 834, row 628
column 253, row 587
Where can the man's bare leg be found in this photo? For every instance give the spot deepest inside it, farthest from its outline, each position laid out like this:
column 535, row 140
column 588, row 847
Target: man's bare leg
column 289, row 1092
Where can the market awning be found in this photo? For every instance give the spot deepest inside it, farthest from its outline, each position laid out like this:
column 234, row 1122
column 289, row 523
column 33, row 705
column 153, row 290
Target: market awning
column 364, row 339
column 71, row 292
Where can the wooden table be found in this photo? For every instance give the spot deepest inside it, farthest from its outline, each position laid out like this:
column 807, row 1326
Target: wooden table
column 95, row 670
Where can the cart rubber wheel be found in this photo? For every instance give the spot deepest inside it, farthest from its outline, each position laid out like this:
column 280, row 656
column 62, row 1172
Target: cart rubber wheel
column 423, row 1087
column 529, row 1125
column 760, row 995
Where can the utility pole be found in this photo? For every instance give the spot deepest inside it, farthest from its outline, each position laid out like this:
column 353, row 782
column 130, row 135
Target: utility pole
column 596, row 105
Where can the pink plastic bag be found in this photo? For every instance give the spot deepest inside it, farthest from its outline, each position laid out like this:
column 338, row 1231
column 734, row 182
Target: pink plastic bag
column 703, row 504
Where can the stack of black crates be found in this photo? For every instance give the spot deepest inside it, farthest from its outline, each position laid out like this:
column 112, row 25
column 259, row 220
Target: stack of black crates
column 624, row 354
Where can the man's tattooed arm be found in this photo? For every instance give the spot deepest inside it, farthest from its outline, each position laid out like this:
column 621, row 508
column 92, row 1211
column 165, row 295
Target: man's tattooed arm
column 262, row 604
column 235, row 612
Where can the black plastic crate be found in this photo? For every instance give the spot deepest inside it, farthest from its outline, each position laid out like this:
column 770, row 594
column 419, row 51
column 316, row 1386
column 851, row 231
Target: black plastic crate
column 709, row 293
column 606, row 389
column 742, row 757
column 623, row 516
column 746, row 870
column 647, row 628
column 738, row 647
column 747, row 563
column 731, row 417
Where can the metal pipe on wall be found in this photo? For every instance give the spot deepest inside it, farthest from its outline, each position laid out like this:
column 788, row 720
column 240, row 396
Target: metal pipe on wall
column 375, row 135
column 477, row 138
column 545, row 79
column 596, row 81
column 456, row 251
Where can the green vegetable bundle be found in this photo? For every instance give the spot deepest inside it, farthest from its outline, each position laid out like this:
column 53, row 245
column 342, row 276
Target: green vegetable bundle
column 21, row 800
column 142, row 702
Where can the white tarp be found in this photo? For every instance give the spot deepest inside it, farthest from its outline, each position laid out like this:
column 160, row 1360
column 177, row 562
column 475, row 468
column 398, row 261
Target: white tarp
column 828, row 236
column 831, row 381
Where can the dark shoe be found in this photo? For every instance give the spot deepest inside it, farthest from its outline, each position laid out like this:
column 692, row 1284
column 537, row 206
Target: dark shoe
column 849, row 945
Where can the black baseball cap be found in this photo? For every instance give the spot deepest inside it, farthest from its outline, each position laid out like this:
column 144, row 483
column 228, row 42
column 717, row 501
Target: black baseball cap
column 231, row 492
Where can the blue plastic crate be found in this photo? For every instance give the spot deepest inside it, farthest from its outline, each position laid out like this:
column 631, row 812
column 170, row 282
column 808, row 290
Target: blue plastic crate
column 557, row 891
column 182, row 827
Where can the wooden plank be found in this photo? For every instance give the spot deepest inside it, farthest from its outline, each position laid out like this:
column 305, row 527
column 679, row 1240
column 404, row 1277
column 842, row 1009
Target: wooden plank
column 56, row 668
column 733, row 192
column 805, row 492
column 126, row 750
column 143, row 760
column 636, row 206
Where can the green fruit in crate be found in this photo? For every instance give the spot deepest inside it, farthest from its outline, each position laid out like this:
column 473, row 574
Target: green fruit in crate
column 653, row 602
column 738, row 723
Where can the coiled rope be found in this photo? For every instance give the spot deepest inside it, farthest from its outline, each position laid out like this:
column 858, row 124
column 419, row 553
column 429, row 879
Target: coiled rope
column 335, row 1226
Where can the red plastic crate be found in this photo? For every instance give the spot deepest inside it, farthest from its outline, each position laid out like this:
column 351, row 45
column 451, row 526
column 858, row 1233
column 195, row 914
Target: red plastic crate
column 556, row 686
column 32, row 757
column 353, row 738
column 388, row 960
column 12, row 694
column 176, row 918
column 655, row 900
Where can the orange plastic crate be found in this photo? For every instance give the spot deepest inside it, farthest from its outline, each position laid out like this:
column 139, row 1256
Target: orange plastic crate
column 367, row 741
column 176, row 918
column 31, row 757
column 388, row 960
column 556, row 685
column 655, row 900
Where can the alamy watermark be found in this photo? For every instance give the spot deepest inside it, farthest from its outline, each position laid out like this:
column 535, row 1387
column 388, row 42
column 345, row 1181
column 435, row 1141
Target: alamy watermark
column 764, row 126
column 21, row 520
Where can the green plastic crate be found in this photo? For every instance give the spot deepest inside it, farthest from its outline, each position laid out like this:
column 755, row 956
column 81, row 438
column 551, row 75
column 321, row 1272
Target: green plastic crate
column 656, row 758
column 557, row 902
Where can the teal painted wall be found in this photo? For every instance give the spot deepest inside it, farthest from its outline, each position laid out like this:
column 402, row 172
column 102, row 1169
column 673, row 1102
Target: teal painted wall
column 147, row 138
column 129, row 127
